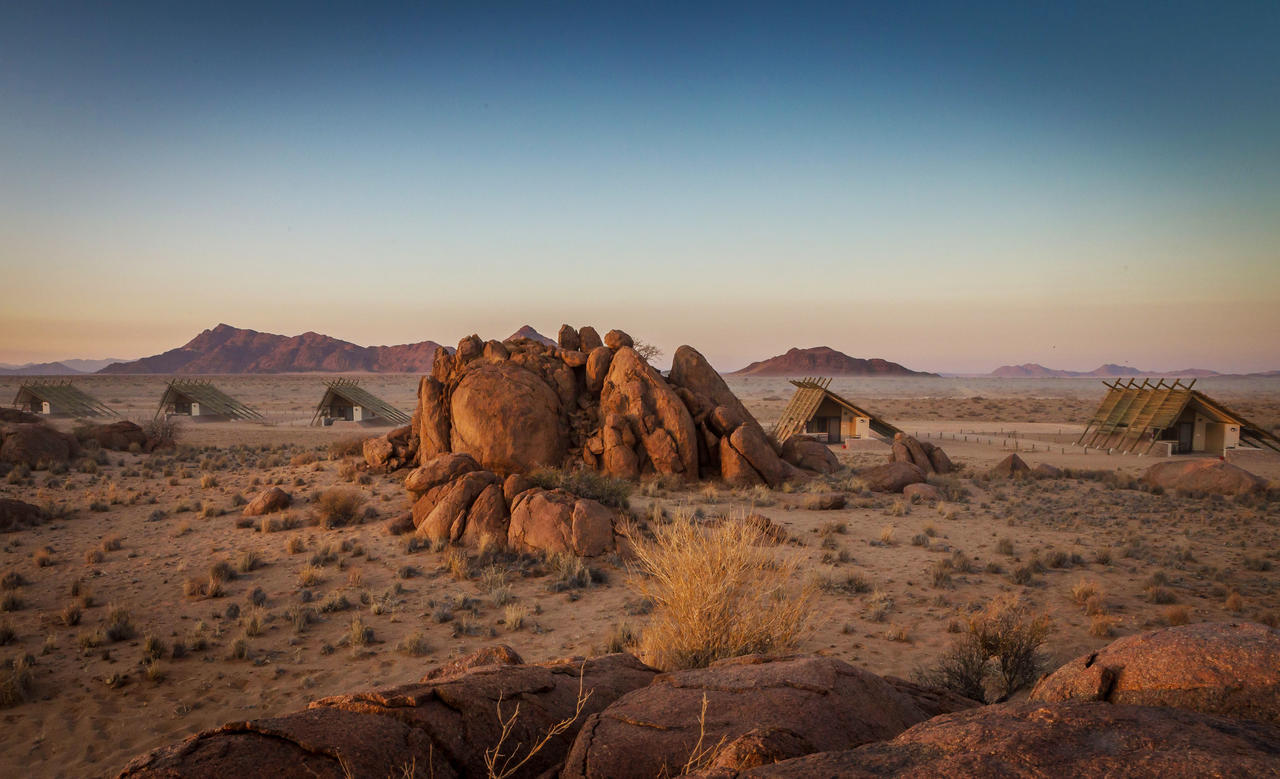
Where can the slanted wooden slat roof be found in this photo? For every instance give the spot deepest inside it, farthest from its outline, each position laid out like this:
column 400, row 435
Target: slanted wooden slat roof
column 64, row 397
column 212, row 400
column 1132, row 416
column 810, row 392
column 351, row 391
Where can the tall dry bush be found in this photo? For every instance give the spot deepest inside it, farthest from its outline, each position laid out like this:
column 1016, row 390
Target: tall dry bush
column 996, row 656
column 164, row 431
column 337, row 507
column 718, row 591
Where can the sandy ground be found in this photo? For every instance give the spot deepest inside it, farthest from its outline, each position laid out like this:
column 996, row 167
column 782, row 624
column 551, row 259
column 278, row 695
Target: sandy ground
column 174, row 516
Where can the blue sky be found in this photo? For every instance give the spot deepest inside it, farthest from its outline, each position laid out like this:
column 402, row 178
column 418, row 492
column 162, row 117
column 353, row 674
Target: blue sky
column 952, row 186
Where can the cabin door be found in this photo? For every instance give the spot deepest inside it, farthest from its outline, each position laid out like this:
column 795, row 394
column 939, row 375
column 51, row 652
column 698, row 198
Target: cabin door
column 833, row 430
column 1186, row 433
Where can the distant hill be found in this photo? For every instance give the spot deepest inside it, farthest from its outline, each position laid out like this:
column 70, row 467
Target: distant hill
column 824, row 361
column 227, row 349
column 528, row 332
column 39, row 369
column 91, row 366
column 1033, row 370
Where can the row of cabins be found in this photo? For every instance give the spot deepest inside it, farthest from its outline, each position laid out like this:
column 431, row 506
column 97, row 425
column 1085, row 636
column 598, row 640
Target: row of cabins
column 344, row 400
column 1133, row 418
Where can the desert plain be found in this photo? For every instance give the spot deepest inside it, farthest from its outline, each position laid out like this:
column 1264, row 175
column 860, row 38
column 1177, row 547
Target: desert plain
column 132, row 648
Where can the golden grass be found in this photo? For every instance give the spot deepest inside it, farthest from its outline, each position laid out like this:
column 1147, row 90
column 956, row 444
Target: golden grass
column 717, row 592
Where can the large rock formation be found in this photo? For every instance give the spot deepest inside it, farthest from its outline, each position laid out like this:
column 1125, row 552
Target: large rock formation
column 114, row 435
column 798, row 716
column 393, row 450
column 590, row 402
column 36, row 445
column 1217, row 477
column 1231, row 669
column 891, row 477
column 440, row 727
column 810, row 454
column 922, row 454
column 1036, row 740
column 1011, row 467
column 781, row 708
column 19, row 515
column 457, row 501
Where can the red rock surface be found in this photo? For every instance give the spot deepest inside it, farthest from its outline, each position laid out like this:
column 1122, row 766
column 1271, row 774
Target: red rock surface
column 792, row 705
column 891, row 477
column 1036, row 741
column 1213, row 476
column 1011, row 467
column 1231, row 669
column 268, row 501
column 36, row 445
column 439, row 727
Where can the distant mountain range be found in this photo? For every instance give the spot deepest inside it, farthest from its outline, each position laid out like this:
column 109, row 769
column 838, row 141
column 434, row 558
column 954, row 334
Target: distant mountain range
column 39, row 369
column 227, row 349
column 61, row 368
column 1033, row 370
column 824, row 361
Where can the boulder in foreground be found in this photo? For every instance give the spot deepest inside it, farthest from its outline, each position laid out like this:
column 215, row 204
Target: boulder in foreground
column 1037, row 740
column 267, row 502
column 1011, row 467
column 1216, row 477
column 765, row 707
column 891, row 477
column 1230, row 669
column 19, row 515
column 439, row 727
column 36, row 445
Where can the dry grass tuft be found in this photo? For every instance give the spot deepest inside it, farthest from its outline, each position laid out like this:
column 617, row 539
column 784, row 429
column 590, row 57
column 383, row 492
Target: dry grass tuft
column 337, row 507
column 1103, row 626
column 717, row 592
column 15, row 681
column 1177, row 615
column 1084, row 592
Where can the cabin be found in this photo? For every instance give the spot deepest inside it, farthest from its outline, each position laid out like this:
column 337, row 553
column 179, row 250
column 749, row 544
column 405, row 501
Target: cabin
column 60, row 399
column 817, row 411
column 203, row 402
column 345, row 400
column 1166, row 419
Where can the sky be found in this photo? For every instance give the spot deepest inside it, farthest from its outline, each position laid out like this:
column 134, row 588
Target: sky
column 952, row 186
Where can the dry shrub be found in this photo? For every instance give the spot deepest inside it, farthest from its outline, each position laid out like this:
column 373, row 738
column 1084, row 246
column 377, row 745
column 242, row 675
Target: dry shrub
column 337, row 507
column 161, row 432
column 1084, row 591
column 585, row 483
column 346, row 447
column 998, row 654
column 718, row 592
column 1177, row 615
column 15, row 681
column 1103, row 626
column 1234, row 603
